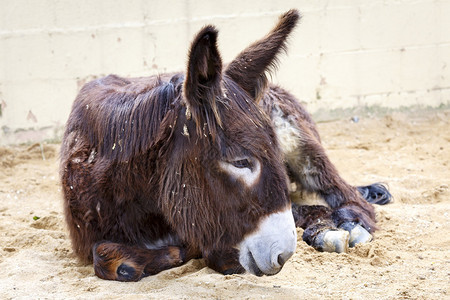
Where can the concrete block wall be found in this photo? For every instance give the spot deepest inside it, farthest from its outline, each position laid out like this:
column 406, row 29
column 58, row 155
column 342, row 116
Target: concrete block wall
column 345, row 54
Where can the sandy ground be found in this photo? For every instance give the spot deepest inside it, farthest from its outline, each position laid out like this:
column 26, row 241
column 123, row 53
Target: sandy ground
column 409, row 258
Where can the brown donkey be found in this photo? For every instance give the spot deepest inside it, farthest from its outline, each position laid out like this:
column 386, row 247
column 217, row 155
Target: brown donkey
column 158, row 170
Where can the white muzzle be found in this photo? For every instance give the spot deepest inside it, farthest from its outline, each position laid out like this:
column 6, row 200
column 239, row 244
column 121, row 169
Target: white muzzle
column 265, row 251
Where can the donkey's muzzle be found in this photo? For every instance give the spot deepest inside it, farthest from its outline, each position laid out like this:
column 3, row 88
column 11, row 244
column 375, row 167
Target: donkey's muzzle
column 265, row 251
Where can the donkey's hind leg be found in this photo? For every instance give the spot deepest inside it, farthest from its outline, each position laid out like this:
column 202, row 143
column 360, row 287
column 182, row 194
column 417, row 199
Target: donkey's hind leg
column 310, row 168
column 113, row 261
column 314, row 172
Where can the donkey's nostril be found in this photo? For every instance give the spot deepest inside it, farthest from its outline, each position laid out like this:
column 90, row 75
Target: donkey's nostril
column 281, row 260
column 283, row 257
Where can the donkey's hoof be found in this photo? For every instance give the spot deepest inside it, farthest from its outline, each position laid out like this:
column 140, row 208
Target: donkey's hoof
column 126, row 273
column 376, row 193
column 358, row 234
column 335, row 241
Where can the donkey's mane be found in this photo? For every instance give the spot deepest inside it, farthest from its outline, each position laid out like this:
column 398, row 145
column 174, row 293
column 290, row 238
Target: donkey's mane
column 126, row 117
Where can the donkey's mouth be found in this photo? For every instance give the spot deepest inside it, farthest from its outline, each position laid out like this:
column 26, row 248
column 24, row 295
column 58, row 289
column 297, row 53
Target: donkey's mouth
column 253, row 266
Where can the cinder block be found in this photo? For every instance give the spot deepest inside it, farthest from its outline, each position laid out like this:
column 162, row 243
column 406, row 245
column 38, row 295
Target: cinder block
column 443, row 22
column 424, row 67
column 75, row 55
column 300, row 76
column 307, row 37
column 22, row 16
column 79, row 15
column 25, row 57
column 170, row 45
column 340, row 29
column 443, row 56
column 444, row 97
column 399, row 24
column 49, row 102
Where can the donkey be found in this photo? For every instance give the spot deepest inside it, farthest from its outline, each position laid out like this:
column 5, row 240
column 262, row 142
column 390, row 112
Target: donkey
column 156, row 171
column 159, row 170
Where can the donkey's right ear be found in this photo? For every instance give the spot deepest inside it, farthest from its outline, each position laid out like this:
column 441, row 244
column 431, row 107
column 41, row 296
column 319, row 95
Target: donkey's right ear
column 250, row 67
column 204, row 73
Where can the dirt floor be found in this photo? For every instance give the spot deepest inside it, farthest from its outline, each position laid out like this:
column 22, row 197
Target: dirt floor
column 409, row 257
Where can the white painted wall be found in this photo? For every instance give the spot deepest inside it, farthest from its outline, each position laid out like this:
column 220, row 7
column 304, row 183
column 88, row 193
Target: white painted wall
column 344, row 54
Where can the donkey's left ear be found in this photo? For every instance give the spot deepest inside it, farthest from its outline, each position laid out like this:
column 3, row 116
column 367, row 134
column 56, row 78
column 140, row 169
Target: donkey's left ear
column 204, row 73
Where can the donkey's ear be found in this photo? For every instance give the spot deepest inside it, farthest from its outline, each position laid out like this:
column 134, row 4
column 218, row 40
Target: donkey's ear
column 204, row 73
column 250, row 67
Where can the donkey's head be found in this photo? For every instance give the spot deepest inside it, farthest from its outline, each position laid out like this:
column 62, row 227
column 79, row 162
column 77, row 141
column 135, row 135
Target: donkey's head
column 224, row 186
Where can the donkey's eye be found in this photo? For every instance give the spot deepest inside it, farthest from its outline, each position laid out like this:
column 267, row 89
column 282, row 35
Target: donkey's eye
column 245, row 169
column 242, row 163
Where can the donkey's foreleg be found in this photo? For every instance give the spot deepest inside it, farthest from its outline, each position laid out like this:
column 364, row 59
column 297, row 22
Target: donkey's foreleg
column 320, row 231
column 120, row 262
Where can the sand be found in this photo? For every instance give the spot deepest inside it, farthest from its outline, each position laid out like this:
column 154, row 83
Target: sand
column 409, row 257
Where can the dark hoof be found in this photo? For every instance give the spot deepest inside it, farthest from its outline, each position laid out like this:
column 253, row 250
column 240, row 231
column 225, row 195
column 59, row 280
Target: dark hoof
column 126, row 273
column 357, row 233
column 109, row 263
column 376, row 193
